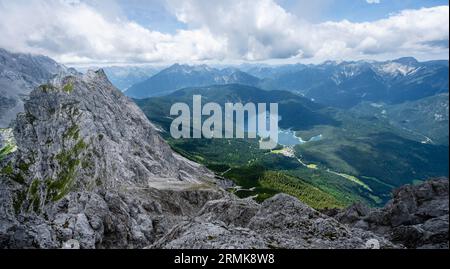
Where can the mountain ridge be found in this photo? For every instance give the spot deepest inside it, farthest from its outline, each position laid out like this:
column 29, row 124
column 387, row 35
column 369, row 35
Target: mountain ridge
column 340, row 84
column 346, row 84
column 182, row 76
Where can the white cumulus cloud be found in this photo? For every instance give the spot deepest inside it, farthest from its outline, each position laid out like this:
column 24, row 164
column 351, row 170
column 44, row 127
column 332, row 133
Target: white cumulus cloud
column 73, row 31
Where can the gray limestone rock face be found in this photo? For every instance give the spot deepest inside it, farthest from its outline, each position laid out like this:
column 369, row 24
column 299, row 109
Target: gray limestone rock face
column 416, row 217
column 280, row 222
column 90, row 167
column 230, row 211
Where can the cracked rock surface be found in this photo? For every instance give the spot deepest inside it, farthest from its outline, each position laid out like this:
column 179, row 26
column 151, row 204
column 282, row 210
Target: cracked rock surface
column 90, row 167
column 416, row 217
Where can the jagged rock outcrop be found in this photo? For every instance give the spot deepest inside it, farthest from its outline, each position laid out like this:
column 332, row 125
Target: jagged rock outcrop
column 280, row 222
column 90, row 167
column 416, row 217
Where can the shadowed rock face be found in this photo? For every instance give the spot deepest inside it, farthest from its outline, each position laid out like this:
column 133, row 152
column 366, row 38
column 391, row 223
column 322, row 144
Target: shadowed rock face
column 416, row 217
column 280, row 222
column 90, row 171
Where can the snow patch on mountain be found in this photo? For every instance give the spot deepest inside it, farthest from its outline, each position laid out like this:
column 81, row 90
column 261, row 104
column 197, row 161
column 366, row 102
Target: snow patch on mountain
column 396, row 69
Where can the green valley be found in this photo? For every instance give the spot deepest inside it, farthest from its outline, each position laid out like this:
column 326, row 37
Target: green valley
column 358, row 158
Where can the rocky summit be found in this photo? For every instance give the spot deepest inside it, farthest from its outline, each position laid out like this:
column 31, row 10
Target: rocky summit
column 416, row 217
column 90, row 171
column 90, row 167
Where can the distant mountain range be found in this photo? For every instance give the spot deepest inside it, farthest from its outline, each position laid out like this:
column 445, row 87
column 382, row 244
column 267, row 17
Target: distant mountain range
column 348, row 83
column 338, row 84
column 408, row 94
column 264, row 71
column 292, row 107
column 182, row 76
column 123, row 77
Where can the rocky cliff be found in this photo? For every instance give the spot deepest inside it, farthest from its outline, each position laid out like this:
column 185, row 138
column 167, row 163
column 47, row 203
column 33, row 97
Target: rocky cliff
column 280, row 222
column 90, row 171
column 416, row 217
column 19, row 75
column 89, row 166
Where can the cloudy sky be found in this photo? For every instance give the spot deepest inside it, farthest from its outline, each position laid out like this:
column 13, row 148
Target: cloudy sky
column 87, row 32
